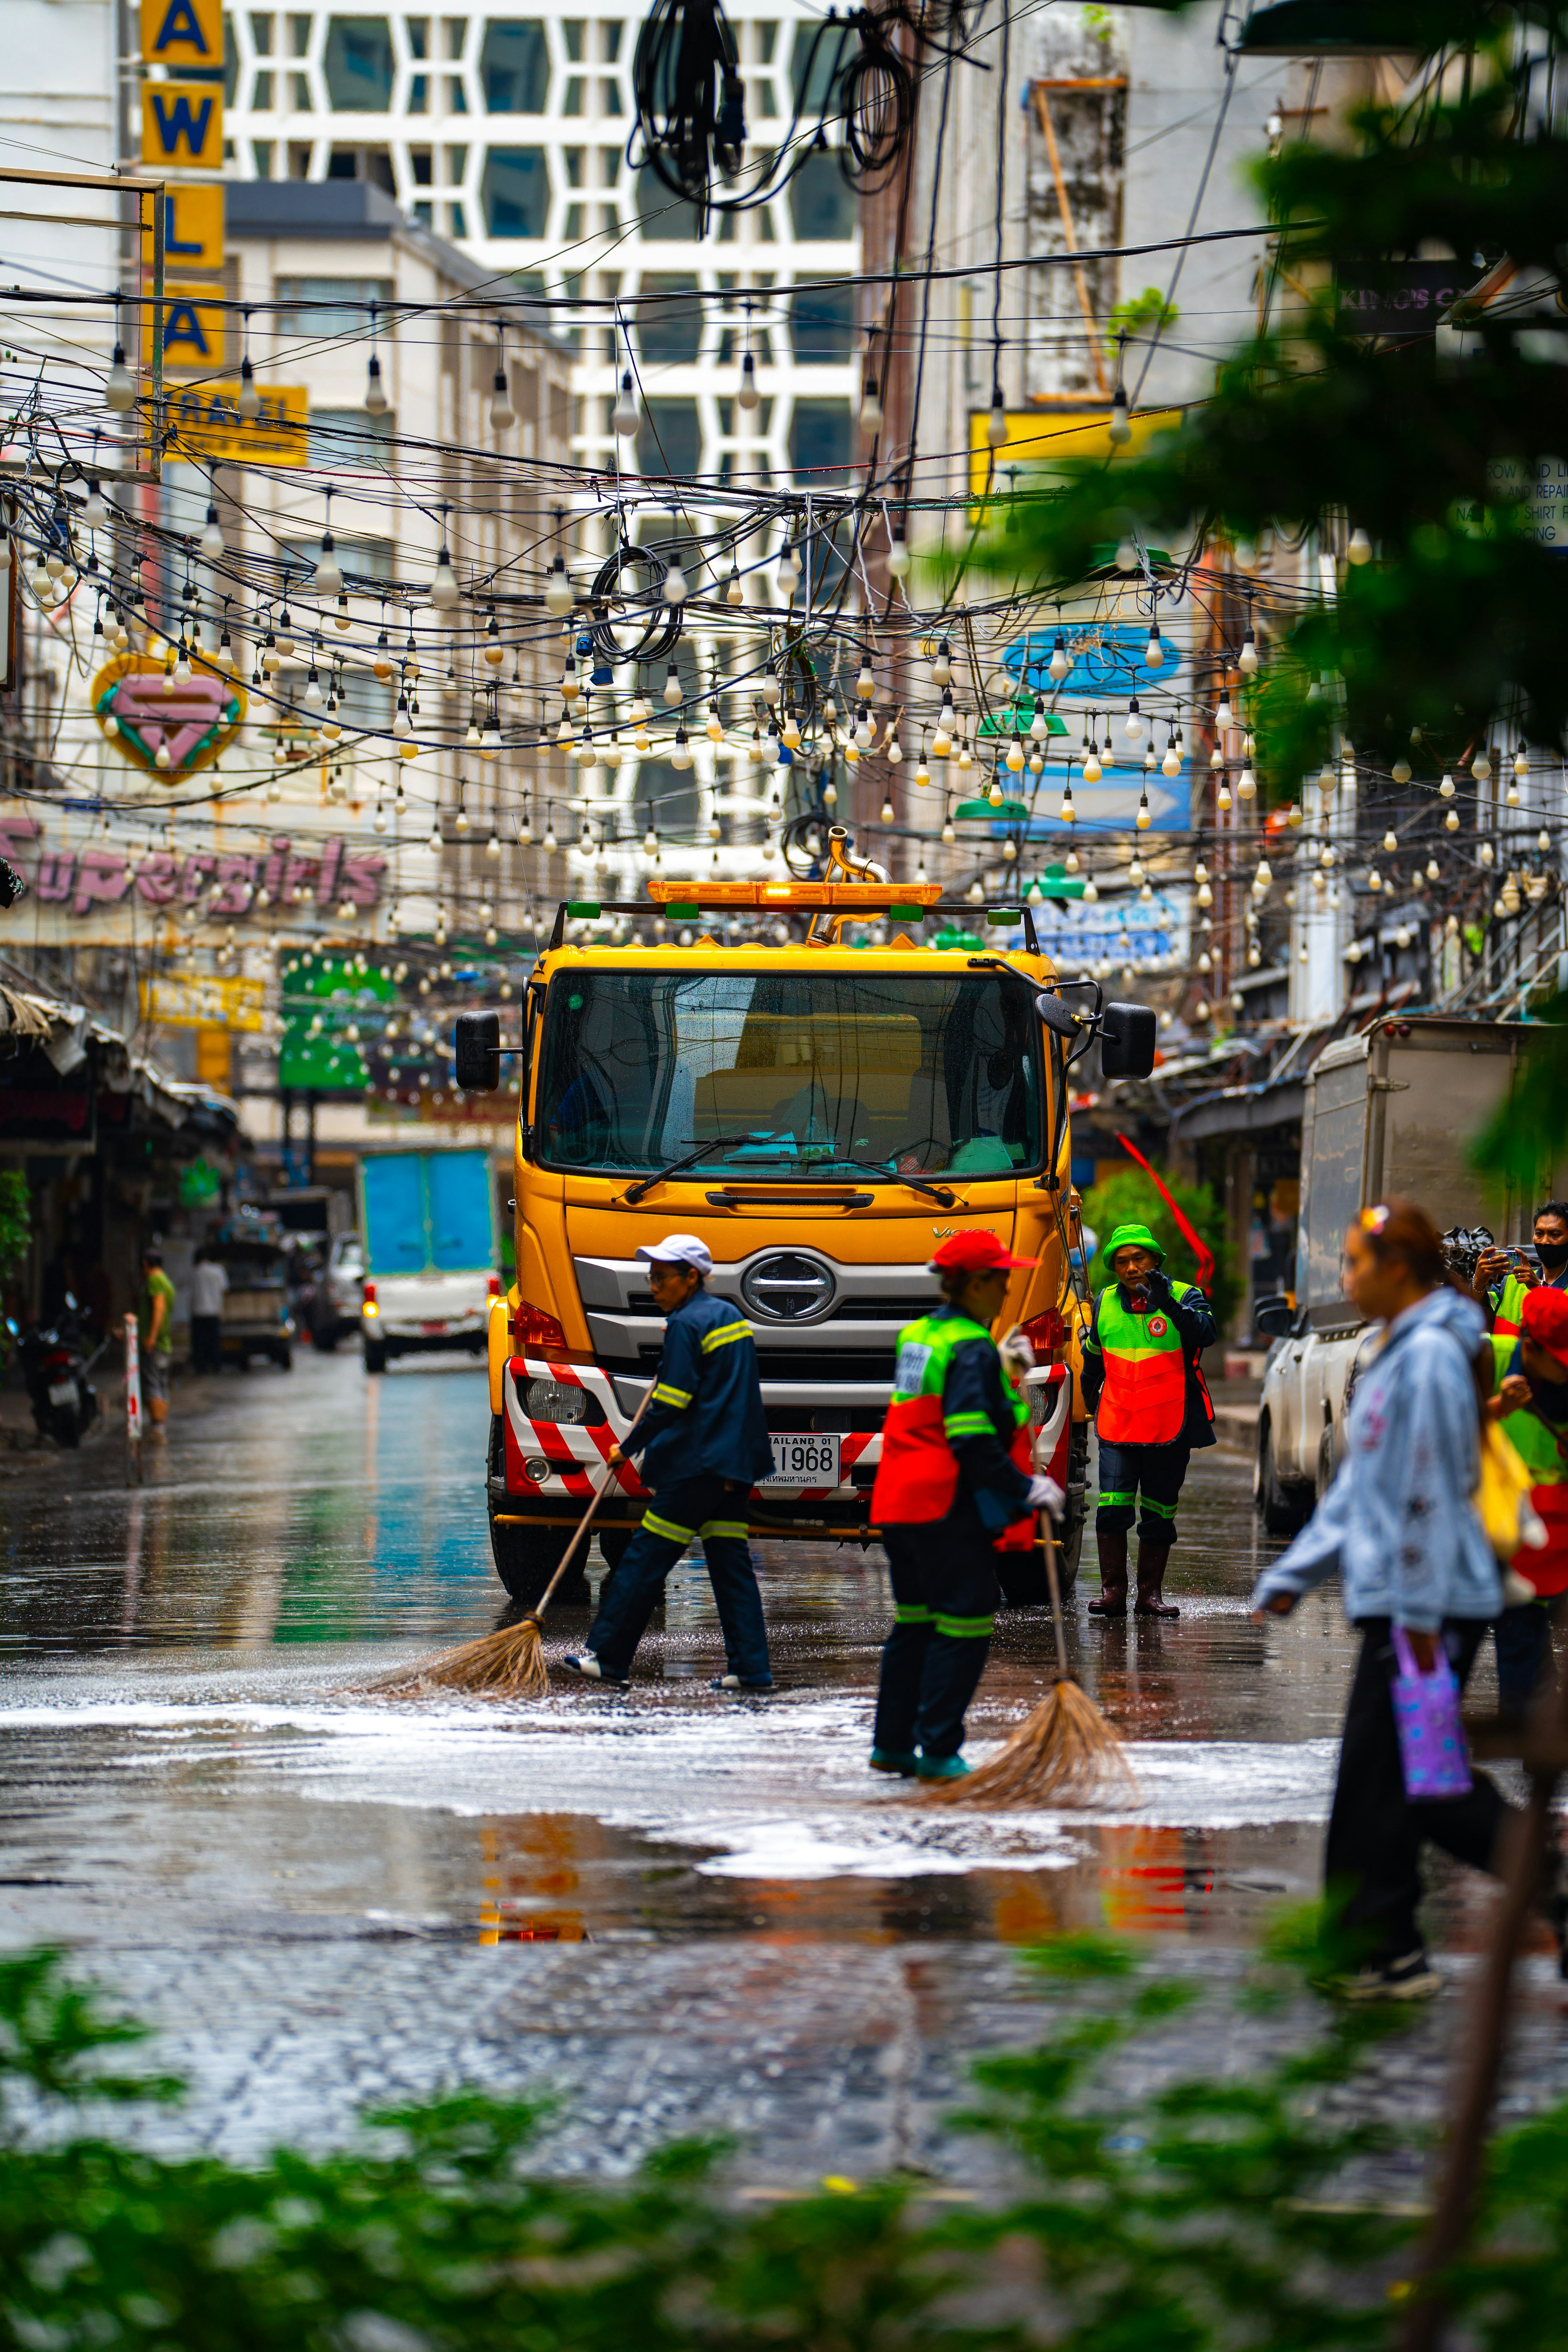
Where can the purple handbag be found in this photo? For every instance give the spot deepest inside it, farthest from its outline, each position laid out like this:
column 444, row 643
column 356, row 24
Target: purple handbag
column 1432, row 1753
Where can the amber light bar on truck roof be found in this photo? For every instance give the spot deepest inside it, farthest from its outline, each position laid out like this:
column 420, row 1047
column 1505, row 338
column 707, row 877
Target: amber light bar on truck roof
column 904, row 902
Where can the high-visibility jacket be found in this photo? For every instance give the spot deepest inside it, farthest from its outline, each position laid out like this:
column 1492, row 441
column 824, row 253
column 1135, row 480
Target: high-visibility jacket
column 1151, row 1392
column 1543, row 1450
column 952, row 1422
column 1508, row 1311
column 705, row 1418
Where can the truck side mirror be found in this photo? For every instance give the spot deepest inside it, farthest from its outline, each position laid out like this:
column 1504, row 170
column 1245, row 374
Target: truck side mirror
column 1273, row 1318
column 1127, row 1034
column 477, row 1059
column 1056, row 1016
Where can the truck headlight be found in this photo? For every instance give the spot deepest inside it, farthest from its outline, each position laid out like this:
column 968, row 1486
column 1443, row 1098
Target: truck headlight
column 554, row 1401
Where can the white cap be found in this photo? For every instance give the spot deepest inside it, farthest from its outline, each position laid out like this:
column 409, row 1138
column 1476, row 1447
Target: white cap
column 680, row 1249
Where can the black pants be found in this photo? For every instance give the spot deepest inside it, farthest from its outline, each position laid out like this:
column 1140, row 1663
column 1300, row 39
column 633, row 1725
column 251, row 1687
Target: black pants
column 1523, row 1638
column 945, row 1594
column 1152, row 1473
column 206, row 1346
column 1375, row 1834
column 716, row 1514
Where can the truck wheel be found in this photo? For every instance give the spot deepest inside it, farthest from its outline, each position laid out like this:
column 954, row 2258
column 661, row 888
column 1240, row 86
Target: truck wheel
column 374, row 1356
column 526, row 1558
column 1280, row 1512
column 613, row 1543
column 324, row 1338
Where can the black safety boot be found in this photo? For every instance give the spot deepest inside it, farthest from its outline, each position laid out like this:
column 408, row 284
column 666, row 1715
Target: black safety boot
column 1151, row 1559
column 1112, row 1602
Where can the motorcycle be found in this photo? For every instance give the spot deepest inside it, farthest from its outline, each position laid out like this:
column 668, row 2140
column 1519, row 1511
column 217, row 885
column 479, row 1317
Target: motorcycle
column 55, row 1367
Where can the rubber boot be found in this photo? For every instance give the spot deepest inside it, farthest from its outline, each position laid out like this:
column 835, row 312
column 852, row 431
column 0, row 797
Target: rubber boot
column 1151, row 1559
column 1112, row 1602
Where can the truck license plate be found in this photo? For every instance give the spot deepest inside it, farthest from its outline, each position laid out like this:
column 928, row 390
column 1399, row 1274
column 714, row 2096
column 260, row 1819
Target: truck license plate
column 806, row 1460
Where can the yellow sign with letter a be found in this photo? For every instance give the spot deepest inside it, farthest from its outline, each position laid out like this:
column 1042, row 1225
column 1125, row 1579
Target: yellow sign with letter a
column 196, row 330
column 183, row 34
column 182, row 126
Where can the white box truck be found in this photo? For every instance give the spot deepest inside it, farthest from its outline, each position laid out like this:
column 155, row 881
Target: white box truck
column 1391, row 1111
column 431, row 1252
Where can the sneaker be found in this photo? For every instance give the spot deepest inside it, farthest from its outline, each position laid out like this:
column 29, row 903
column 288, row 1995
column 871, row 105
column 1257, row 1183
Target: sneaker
column 895, row 1760
column 941, row 1768
column 741, row 1682
column 1412, row 1976
column 592, row 1671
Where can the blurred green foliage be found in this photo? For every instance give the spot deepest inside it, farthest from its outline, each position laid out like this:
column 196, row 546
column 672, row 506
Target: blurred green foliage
column 1128, row 1198
column 1152, row 2210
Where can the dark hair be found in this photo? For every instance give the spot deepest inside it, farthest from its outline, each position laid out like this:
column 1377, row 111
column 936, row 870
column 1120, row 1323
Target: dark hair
column 1558, row 1209
column 1404, row 1230
column 151, row 1257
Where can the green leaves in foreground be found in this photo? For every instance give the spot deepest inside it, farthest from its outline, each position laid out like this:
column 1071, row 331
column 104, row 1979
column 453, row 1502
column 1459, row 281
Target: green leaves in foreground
column 1150, row 2207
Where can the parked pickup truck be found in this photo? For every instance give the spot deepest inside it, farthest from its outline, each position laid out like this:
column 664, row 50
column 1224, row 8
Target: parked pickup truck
column 431, row 1251
column 1388, row 1112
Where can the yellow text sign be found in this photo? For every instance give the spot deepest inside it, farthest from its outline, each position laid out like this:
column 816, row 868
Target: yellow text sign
column 199, row 1003
column 183, row 34
column 205, row 421
column 182, row 126
column 193, row 229
column 1039, row 439
column 196, row 330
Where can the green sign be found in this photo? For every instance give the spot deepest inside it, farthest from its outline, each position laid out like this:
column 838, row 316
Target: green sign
column 329, row 990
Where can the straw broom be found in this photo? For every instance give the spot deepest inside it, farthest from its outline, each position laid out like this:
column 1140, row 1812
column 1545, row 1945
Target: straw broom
column 509, row 1662
column 1064, row 1751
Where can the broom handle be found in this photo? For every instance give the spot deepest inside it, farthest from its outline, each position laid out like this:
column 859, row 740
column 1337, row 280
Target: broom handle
column 543, row 1604
column 1054, row 1580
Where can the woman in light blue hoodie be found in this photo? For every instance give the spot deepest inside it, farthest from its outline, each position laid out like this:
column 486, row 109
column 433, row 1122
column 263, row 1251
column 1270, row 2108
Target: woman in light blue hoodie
column 1399, row 1525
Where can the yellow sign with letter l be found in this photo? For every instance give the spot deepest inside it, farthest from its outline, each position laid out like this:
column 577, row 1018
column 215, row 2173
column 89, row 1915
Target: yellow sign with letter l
column 193, row 228
column 183, row 34
column 182, row 126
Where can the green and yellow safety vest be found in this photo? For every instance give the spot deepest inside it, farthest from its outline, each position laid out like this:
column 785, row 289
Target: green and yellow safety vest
column 1144, row 1401
column 1509, row 1321
column 917, row 1477
column 1545, row 1456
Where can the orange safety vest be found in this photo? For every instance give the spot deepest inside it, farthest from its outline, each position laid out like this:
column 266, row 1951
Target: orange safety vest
column 917, row 1476
column 1145, row 1400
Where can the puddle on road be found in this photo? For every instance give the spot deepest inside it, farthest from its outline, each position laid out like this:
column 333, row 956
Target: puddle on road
column 177, row 1733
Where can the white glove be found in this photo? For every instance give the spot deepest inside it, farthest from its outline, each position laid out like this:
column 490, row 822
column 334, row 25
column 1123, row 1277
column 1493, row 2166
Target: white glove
column 1045, row 1495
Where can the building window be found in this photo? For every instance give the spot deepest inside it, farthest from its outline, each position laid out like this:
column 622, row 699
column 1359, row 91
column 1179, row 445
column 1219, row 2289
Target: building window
column 670, row 441
column 330, row 305
column 670, row 333
column 819, row 440
column 516, row 192
column 514, row 67
column 811, row 65
column 359, row 64
column 821, row 202
column 347, row 436
column 665, row 219
column 822, row 325
column 262, row 101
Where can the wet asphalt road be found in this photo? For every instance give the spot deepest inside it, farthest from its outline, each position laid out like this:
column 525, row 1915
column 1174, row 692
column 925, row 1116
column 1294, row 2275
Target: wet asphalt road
column 680, row 1911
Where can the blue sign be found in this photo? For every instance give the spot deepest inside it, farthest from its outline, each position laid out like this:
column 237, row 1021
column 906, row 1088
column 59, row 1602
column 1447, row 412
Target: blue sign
column 1107, row 659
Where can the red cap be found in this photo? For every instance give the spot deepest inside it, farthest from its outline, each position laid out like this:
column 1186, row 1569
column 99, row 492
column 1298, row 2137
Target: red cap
column 975, row 1251
column 1545, row 1318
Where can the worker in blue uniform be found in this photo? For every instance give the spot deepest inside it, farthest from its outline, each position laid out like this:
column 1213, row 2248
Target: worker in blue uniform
column 704, row 1444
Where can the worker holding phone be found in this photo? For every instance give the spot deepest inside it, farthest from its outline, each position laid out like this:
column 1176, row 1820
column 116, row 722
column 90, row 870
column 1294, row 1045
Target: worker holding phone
column 1503, row 1278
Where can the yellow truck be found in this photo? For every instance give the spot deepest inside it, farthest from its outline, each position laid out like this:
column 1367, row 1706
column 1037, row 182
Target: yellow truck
column 822, row 1113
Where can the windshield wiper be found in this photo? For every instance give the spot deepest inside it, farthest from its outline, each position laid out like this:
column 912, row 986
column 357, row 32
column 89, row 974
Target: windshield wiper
column 940, row 1194
column 633, row 1193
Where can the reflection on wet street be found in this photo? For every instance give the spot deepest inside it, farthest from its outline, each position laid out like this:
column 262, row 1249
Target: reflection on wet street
column 682, row 1910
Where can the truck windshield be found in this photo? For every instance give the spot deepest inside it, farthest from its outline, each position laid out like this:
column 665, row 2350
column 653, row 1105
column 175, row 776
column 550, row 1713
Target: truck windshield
column 792, row 1074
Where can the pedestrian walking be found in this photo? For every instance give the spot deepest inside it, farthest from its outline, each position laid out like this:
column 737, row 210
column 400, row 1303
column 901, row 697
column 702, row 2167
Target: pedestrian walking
column 1416, row 1570
column 1501, row 1288
column 1152, row 1409
column 155, row 1322
column 1531, row 1406
column 954, row 1475
column 704, row 1444
column 209, row 1288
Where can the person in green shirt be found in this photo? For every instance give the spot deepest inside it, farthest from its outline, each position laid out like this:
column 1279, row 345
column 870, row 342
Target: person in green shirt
column 156, row 1330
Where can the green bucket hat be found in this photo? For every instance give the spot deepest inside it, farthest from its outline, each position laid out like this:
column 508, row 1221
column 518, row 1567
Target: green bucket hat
column 1129, row 1236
